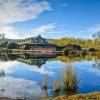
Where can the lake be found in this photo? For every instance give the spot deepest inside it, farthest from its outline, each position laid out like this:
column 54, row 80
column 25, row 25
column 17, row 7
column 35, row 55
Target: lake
column 22, row 76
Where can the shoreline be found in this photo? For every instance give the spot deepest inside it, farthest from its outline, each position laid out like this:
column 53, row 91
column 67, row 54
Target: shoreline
column 87, row 96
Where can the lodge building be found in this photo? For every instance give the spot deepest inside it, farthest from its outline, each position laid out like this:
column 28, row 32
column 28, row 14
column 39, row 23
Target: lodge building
column 36, row 44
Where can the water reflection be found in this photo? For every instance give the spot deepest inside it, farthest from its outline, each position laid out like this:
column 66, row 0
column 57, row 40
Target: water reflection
column 2, row 73
column 97, row 65
column 25, row 73
column 16, row 87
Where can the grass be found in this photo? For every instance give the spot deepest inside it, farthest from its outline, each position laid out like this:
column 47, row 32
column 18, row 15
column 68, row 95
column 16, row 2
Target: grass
column 89, row 96
column 69, row 79
column 45, row 83
column 56, row 88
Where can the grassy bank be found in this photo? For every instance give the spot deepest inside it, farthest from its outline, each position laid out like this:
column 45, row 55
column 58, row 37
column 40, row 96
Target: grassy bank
column 89, row 96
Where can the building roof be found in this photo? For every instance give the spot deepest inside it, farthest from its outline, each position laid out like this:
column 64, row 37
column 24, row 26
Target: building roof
column 39, row 44
column 40, row 41
column 32, row 38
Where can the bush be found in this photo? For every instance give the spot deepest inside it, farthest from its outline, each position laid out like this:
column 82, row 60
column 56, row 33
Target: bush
column 11, row 45
column 3, row 44
column 56, row 88
column 70, row 80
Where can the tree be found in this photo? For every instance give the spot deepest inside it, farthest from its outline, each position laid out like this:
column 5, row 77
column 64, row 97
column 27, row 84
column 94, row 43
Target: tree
column 11, row 45
column 97, row 35
column 3, row 44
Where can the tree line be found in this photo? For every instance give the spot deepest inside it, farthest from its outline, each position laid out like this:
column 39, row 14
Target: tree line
column 9, row 45
column 85, row 43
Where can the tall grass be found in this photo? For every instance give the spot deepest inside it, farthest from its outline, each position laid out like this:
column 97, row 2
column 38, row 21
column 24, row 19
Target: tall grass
column 70, row 79
column 56, row 87
column 44, row 86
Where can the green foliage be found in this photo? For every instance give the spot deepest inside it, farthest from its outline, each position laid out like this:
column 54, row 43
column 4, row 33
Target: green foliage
column 86, row 43
column 11, row 45
column 3, row 44
column 89, row 96
column 69, row 79
column 97, row 35
column 45, row 83
column 56, row 86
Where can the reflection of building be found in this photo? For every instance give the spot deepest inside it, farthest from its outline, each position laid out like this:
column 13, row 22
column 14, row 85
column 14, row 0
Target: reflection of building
column 37, row 62
column 36, row 44
column 37, row 55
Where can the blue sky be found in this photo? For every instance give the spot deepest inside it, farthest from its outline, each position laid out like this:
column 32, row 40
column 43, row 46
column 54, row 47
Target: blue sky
column 50, row 18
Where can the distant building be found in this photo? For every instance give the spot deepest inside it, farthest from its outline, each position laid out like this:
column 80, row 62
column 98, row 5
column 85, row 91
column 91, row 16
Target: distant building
column 37, row 44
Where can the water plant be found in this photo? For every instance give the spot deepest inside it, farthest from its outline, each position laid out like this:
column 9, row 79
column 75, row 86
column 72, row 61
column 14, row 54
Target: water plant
column 44, row 86
column 56, row 87
column 70, row 79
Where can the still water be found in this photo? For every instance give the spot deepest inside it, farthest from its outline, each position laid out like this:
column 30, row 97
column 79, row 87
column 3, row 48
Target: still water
column 22, row 77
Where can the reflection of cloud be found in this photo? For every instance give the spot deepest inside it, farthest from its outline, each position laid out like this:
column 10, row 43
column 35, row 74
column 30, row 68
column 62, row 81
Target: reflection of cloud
column 88, row 67
column 42, row 70
column 13, row 66
column 15, row 87
column 7, row 66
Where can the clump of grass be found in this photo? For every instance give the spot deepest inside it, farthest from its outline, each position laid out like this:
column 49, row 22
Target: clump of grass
column 70, row 79
column 44, row 86
column 56, row 87
column 45, row 83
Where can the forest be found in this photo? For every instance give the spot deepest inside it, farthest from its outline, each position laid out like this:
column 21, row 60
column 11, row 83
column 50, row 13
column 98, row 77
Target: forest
column 85, row 43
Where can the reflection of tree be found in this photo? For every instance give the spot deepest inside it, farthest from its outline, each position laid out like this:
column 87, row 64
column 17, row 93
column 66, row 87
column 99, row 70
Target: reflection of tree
column 96, row 65
column 7, row 57
column 56, row 88
column 87, row 57
column 2, row 73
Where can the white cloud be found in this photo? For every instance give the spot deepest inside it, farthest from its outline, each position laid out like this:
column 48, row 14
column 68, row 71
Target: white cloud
column 13, row 33
column 64, row 4
column 21, row 10
column 43, row 30
column 94, row 29
column 89, row 31
column 9, row 31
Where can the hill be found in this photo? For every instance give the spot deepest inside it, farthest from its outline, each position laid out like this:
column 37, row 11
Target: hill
column 9, row 40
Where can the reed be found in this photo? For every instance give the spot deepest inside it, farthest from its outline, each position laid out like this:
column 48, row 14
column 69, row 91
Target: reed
column 56, row 88
column 45, row 83
column 70, row 79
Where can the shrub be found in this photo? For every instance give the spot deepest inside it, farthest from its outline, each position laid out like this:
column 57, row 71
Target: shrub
column 70, row 80
column 45, row 83
column 3, row 44
column 11, row 45
column 56, row 87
